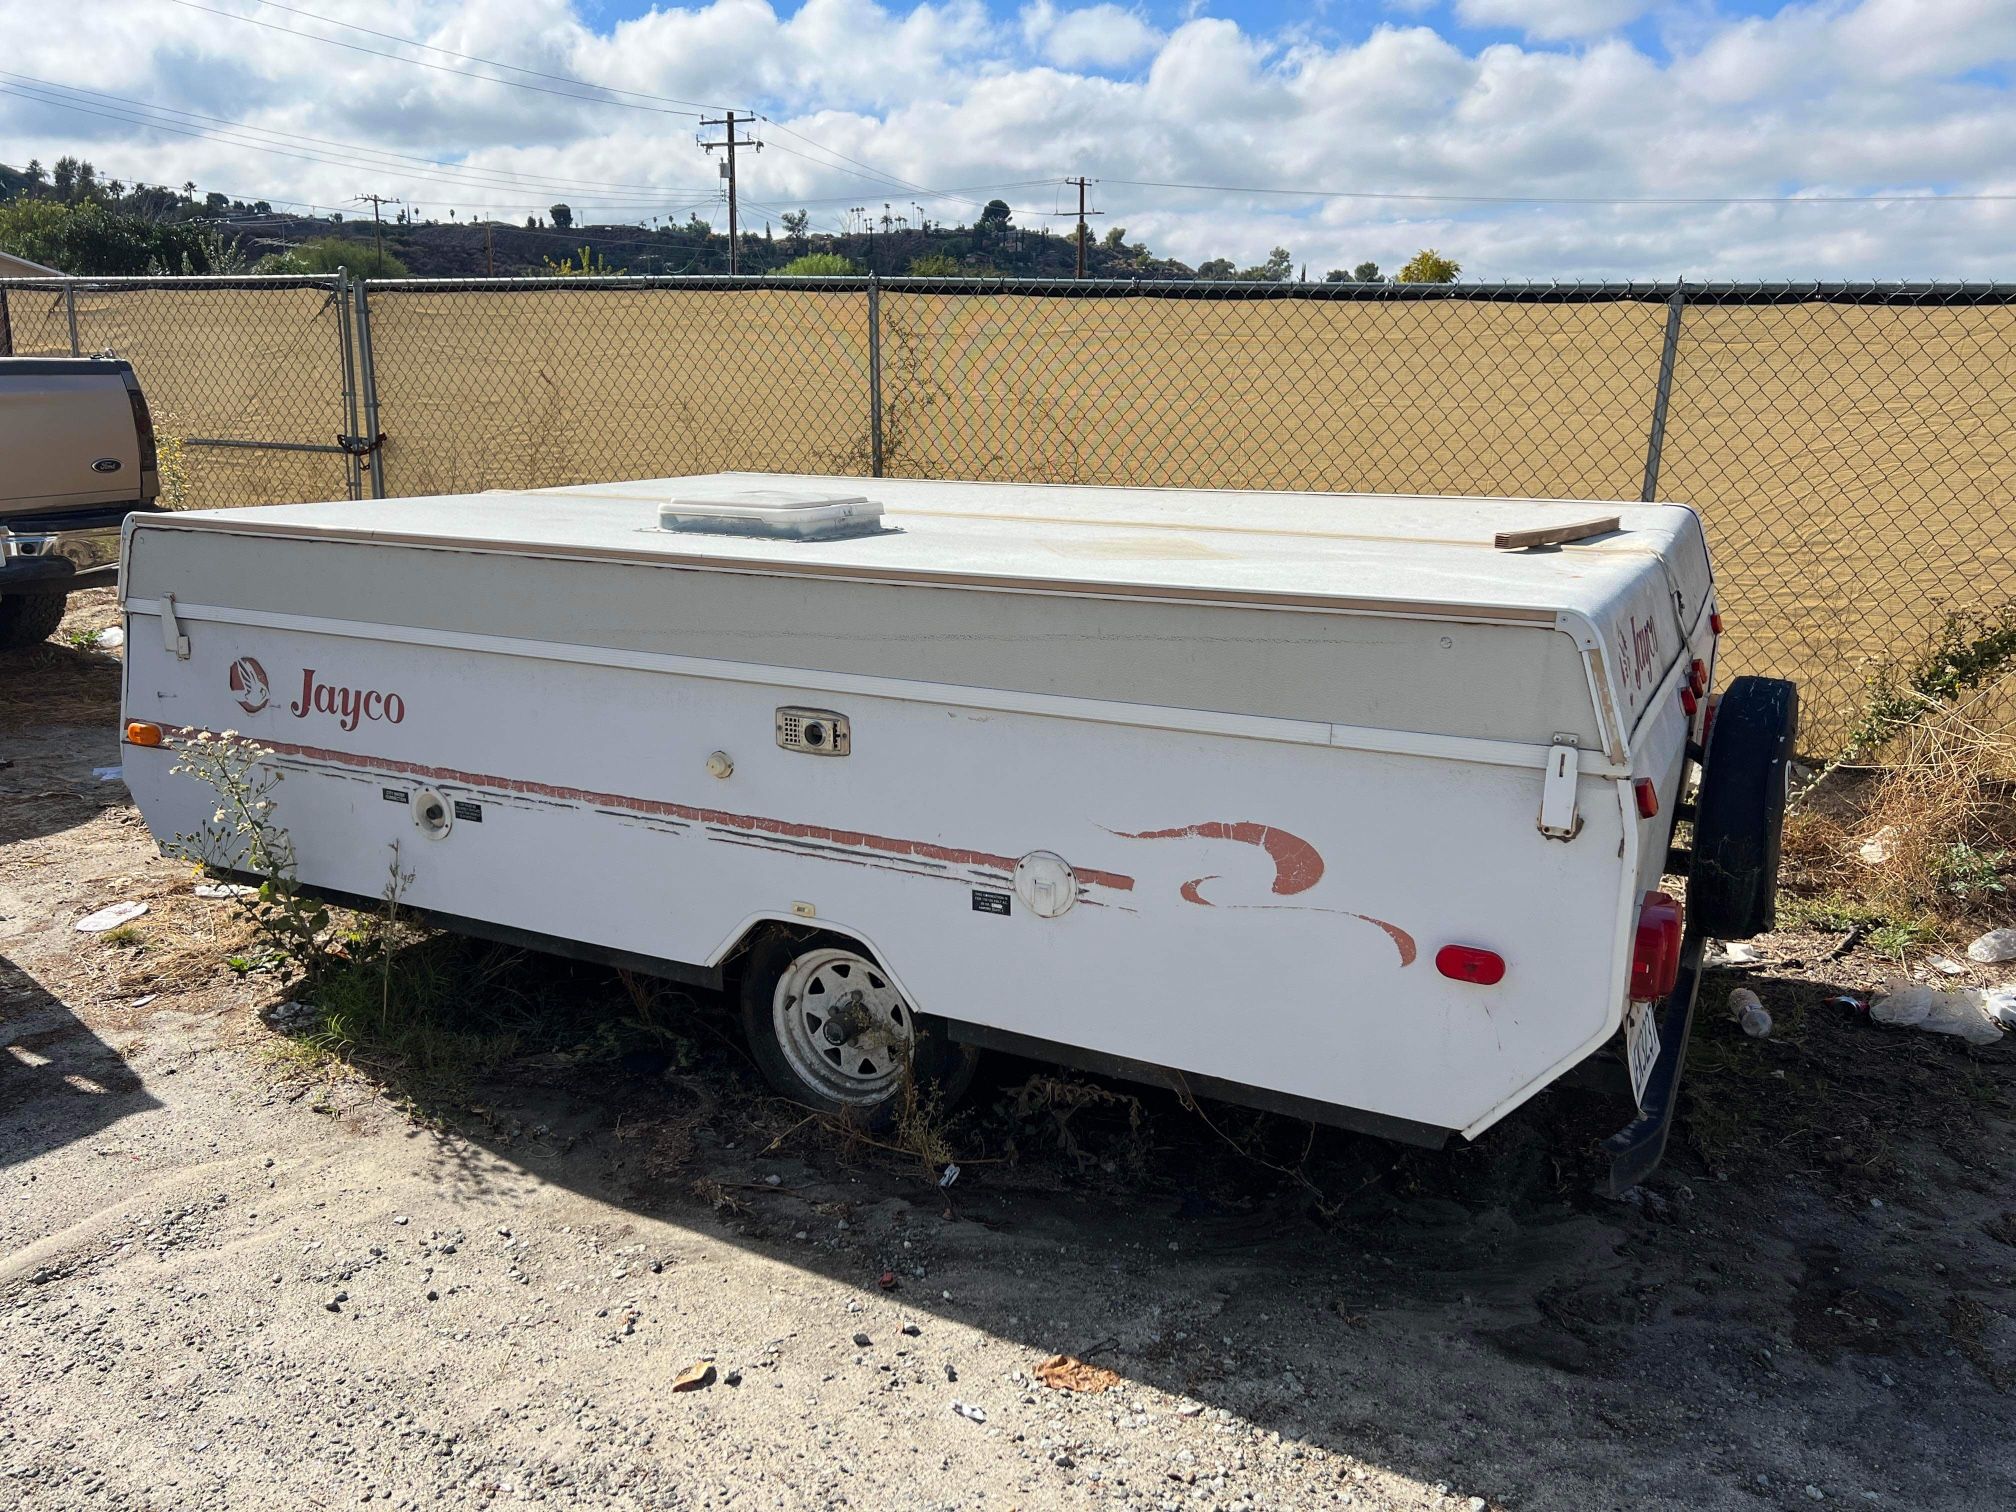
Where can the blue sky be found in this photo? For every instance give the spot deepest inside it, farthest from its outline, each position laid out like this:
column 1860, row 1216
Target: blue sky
column 1528, row 138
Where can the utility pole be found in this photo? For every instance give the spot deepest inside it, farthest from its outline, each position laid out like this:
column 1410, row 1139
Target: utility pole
column 375, row 201
column 728, row 140
column 1081, row 181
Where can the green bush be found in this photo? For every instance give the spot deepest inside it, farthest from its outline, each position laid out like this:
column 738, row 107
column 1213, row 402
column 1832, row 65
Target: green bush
column 328, row 253
column 817, row 265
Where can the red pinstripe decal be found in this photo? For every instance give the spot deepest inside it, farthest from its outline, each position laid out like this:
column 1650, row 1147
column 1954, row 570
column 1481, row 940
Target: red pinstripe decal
column 749, row 823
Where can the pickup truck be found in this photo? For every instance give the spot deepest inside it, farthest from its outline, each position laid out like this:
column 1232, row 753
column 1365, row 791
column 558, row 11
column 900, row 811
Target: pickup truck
column 78, row 449
column 1356, row 808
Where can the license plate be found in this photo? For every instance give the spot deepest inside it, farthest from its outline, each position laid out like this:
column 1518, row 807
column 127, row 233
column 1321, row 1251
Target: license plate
column 1641, row 1046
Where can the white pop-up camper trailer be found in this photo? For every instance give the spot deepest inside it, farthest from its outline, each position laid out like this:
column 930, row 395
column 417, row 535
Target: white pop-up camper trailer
column 1352, row 806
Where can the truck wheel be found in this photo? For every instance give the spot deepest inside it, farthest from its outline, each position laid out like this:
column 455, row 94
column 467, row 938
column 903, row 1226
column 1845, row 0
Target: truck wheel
column 830, row 1030
column 28, row 619
column 1732, row 890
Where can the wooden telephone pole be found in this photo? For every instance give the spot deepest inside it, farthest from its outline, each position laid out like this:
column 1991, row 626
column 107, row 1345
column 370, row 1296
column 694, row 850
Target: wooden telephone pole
column 729, row 141
column 1082, row 182
column 375, row 201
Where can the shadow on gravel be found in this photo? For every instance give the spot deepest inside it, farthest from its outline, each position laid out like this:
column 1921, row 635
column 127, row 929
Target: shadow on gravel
column 1376, row 1301
column 58, row 1081
column 59, row 712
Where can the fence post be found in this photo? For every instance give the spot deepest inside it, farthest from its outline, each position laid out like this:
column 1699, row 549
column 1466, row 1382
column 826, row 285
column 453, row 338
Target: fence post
column 874, row 376
column 368, row 371
column 6, row 327
column 70, row 313
column 1656, row 442
column 352, row 464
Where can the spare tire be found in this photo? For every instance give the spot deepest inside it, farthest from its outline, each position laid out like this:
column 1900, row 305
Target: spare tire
column 1732, row 889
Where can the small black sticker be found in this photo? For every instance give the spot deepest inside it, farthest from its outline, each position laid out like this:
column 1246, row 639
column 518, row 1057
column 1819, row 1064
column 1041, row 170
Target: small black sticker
column 393, row 795
column 990, row 902
column 464, row 809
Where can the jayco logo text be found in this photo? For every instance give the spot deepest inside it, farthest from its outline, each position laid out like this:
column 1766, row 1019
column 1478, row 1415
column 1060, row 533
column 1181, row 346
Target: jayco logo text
column 351, row 706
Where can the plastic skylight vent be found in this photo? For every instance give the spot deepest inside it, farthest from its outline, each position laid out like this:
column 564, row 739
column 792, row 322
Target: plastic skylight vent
column 774, row 513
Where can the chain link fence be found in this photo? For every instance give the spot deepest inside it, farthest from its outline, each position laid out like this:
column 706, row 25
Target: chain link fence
column 1852, row 447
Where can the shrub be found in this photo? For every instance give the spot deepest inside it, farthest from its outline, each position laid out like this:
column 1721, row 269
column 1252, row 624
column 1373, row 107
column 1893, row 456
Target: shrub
column 817, row 265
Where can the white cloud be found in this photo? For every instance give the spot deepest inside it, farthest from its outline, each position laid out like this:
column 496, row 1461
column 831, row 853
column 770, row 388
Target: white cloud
column 1831, row 97
column 1098, row 36
column 1553, row 19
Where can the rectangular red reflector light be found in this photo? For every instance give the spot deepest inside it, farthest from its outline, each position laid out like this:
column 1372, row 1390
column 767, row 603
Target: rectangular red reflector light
column 1646, row 796
column 1697, row 676
column 1715, row 620
column 1655, row 955
column 1688, row 702
column 1468, row 963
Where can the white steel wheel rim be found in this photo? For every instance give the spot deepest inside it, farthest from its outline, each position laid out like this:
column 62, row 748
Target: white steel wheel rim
column 832, row 991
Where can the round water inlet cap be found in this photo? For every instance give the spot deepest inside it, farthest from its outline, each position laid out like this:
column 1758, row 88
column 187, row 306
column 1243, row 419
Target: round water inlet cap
column 1046, row 884
column 433, row 813
column 720, row 764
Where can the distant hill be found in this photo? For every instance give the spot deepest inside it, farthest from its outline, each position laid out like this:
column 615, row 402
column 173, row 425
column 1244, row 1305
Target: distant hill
column 446, row 249
column 84, row 224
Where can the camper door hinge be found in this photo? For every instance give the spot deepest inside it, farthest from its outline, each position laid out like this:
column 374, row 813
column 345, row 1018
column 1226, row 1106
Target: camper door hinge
column 1558, row 819
column 173, row 640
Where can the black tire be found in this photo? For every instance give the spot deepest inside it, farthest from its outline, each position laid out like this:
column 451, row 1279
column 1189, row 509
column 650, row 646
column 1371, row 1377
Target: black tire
column 1732, row 889
column 937, row 1067
column 28, row 619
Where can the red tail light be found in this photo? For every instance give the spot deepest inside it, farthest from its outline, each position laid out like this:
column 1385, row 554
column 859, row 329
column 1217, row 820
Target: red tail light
column 1715, row 620
column 1655, row 958
column 143, row 429
column 1645, row 793
column 1688, row 702
column 1697, row 676
column 1467, row 963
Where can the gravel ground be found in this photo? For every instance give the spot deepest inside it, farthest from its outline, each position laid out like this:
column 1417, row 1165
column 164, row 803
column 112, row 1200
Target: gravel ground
column 230, row 1278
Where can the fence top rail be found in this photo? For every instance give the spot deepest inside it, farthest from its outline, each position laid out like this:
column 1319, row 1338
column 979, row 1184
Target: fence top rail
column 85, row 283
column 1869, row 292
column 1900, row 292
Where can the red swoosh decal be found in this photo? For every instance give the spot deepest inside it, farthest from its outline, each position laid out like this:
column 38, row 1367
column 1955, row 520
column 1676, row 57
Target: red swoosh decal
column 1297, row 864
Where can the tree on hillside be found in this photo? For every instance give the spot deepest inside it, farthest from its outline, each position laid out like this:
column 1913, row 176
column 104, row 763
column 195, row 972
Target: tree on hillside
column 1217, row 267
column 563, row 217
column 796, row 224
column 1428, row 267
column 87, row 238
column 994, row 215
column 1365, row 272
column 1278, row 268
column 935, row 265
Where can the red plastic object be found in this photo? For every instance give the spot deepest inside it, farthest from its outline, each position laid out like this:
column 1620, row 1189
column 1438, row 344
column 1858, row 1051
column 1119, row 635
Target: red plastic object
column 1646, row 795
column 1469, row 963
column 1655, row 958
column 1715, row 620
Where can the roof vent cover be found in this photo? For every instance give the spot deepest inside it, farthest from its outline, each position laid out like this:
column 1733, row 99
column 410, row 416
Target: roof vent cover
column 775, row 513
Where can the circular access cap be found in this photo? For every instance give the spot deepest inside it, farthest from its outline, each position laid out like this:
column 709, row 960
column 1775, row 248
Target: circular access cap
column 433, row 813
column 1046, row 884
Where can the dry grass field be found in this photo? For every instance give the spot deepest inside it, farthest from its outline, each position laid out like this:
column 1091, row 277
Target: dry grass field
column 1856, row 464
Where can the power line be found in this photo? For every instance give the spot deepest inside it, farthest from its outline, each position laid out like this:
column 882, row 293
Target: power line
column 604, row 92
column 526, row 180
column 472, row 58
column 487, row 191
column 1579, row 199
column 437, row 67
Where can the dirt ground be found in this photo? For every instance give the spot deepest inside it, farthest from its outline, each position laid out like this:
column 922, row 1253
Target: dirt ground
column 234, row 1273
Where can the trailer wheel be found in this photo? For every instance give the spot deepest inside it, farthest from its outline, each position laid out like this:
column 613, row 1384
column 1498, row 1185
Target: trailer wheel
column 28, row 619
column 829, row 1029
column 1732, row 890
